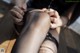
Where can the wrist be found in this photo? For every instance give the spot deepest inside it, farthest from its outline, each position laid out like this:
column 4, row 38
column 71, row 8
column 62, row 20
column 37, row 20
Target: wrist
column 64, row 20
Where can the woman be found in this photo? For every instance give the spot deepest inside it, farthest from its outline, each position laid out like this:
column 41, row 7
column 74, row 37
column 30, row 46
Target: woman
column 36, row 24
column 34, row 31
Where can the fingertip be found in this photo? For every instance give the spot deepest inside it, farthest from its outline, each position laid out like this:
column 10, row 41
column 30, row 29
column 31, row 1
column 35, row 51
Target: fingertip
column 56, row 12
column 51, row 10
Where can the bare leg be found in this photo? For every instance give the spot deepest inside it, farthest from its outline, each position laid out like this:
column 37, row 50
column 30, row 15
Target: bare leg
column 49, row 46
column 36, row 30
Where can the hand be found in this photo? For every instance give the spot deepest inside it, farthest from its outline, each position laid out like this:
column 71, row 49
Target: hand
column 17, row 14
column 56, row 22
column 55, row 18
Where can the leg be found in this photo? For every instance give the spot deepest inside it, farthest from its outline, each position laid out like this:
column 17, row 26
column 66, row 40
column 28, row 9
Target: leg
column 50, row 46
column 34, row 33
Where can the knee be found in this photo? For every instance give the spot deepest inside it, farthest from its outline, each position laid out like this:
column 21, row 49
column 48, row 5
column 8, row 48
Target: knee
column 37, row 18
column 37, row 15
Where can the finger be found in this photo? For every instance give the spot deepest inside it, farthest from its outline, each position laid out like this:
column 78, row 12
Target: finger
column 16, row 8
column 45, row 10
column 51, row 12
column 16, row 20
column 16, row 14
column 53, row 20
column 53, row 26
column 56, row 14
column 56, row 21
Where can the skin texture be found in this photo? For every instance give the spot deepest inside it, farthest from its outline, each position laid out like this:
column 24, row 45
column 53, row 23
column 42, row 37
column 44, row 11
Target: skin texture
column 34, row 34
column 55, row 19
column 30, row 34
column 37, row 25
column 48, row 47
column 18, row 10
column 45, row 47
